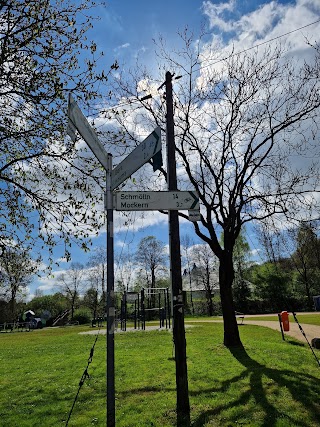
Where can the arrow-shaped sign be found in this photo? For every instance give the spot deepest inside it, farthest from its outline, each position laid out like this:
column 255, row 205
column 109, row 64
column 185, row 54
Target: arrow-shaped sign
column 155, row 200
column 79, row 122
column 138, row 157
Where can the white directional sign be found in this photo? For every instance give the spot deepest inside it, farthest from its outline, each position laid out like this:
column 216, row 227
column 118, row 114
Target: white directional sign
column 155, row 200
column 138, row 157
column 79, row 122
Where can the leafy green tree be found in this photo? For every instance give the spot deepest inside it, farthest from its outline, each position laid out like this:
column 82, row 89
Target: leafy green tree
column 306, row 261
column 17, row 269
column 54, row 304
column 91, row 301
column 44, row 177
column 5, row 315
column 297, row 251
column 72, row 285
column 272, row 286
column 241, row 285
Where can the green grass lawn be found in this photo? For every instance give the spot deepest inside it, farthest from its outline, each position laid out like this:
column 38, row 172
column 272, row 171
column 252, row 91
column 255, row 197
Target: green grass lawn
column 270, row 383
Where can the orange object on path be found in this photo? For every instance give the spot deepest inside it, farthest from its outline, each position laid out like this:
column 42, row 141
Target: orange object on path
column 285, row 320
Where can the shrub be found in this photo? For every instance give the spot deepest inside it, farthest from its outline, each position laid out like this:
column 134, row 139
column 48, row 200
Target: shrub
column 83, row 316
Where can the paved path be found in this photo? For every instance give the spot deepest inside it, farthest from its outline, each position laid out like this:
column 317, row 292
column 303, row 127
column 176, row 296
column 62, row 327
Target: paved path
column 118, row 330
column 311, row 331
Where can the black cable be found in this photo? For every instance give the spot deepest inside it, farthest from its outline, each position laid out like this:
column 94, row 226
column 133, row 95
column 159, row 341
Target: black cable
column 84, row 376
column 255, row 46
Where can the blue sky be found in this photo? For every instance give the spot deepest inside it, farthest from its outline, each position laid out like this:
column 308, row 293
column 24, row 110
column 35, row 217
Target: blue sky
column 126, row 30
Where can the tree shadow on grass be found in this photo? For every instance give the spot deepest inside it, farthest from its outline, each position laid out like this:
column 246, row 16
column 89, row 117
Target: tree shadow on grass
column 146, row 390
column 296, row 343
column 303, row 388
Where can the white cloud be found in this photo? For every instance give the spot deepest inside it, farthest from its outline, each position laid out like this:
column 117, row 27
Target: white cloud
column 124, row 46
column 255, row 252
column 135, row 220
column 142, row 50
column 148, row 87
column 47, row 284
column 268, row 22
column 61, row 260
column 216, row 14
column 270, row 19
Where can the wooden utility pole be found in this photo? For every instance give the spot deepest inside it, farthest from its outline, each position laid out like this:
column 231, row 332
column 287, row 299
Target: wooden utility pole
column 183, row 405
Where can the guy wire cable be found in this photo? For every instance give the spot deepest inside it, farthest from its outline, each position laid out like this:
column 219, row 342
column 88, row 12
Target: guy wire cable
column 303, row 333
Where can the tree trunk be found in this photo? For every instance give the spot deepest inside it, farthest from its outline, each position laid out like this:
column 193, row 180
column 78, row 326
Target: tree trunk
column 308, row 292
column 305, row 280
column 72, row 306
column 208, row 291
column 13, row 303
column 209, row 301
column 226, row 276
column 153, row 285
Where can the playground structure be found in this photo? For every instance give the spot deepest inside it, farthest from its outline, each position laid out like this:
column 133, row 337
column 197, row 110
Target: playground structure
column 62, row 318
column 148, row 304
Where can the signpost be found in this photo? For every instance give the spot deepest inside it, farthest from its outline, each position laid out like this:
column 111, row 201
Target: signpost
column 155, row 200
column 137, row 158
column 172, row 201
column 79, row 122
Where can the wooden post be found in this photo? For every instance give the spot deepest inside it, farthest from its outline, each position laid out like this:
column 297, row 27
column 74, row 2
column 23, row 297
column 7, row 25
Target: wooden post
column 281, row 328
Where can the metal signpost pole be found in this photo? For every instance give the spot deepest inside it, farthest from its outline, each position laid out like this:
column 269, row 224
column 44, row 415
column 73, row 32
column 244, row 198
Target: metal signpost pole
column 183, row 405
column 111, row 422
column 77, row 121
column 173, row 200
